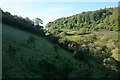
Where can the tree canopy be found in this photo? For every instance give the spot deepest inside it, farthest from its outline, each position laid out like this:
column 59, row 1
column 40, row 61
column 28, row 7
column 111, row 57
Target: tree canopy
column 106, row 19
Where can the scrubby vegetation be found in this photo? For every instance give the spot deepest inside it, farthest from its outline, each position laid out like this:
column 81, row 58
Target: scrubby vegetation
column 26, row 55
column 90, row 34
column 70, row 47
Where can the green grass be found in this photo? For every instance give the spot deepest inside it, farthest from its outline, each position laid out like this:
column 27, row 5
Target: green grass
column 110, row 36
column 107, row 31
column 72, row 38
column 23, row 60
column 113, row 36
column 39, row 58
column 65, row 30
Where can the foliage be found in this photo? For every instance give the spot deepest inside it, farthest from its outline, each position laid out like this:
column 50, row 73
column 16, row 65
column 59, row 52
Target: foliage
column 82, row 31
column 38, row 21
column 42, row 60
column 22, row 23
column 105, row 19
column 56, row 56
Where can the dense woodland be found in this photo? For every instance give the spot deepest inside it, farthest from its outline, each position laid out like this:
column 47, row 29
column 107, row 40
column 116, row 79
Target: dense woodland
column 67, row 48
column 106, row 19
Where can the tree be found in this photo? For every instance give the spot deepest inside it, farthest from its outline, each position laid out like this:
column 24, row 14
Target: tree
column 38, row 21
column 29, row 21
column 22, row 23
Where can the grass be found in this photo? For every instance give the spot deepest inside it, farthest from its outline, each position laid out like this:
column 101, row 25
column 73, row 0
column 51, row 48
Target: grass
column 113, row 36
column 110, row 36
column 107, row 31
column 65, row 30
column 26, row 55
column 72, row 38
column 21, row 59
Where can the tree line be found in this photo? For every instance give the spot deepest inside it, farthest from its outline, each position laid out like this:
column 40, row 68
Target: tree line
column 105, row 19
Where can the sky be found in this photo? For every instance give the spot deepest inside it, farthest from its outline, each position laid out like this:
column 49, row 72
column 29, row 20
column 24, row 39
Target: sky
column 50, row 11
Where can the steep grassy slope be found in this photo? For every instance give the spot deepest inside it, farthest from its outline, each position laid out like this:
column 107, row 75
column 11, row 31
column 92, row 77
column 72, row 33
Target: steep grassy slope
column 27, row 55
column 22, row 58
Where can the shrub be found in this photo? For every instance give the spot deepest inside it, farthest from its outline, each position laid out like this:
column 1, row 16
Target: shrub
column 115, row 54
column 82, row 31
column 108, row 61
column 63, row 33
column 111, row 45
column 104, row 38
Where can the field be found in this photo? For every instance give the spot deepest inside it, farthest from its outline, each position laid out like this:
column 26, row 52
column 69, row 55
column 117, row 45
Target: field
column 108, row 39
column 111, row 35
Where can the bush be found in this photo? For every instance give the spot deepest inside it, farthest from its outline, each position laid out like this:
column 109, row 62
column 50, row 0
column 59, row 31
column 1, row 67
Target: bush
column 111, row 45
column 82, row 31
column 104, row 38
column 115, row 54
column 53, row 38
column 108, row 61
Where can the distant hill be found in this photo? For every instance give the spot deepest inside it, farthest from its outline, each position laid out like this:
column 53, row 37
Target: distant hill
column 103, row 19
